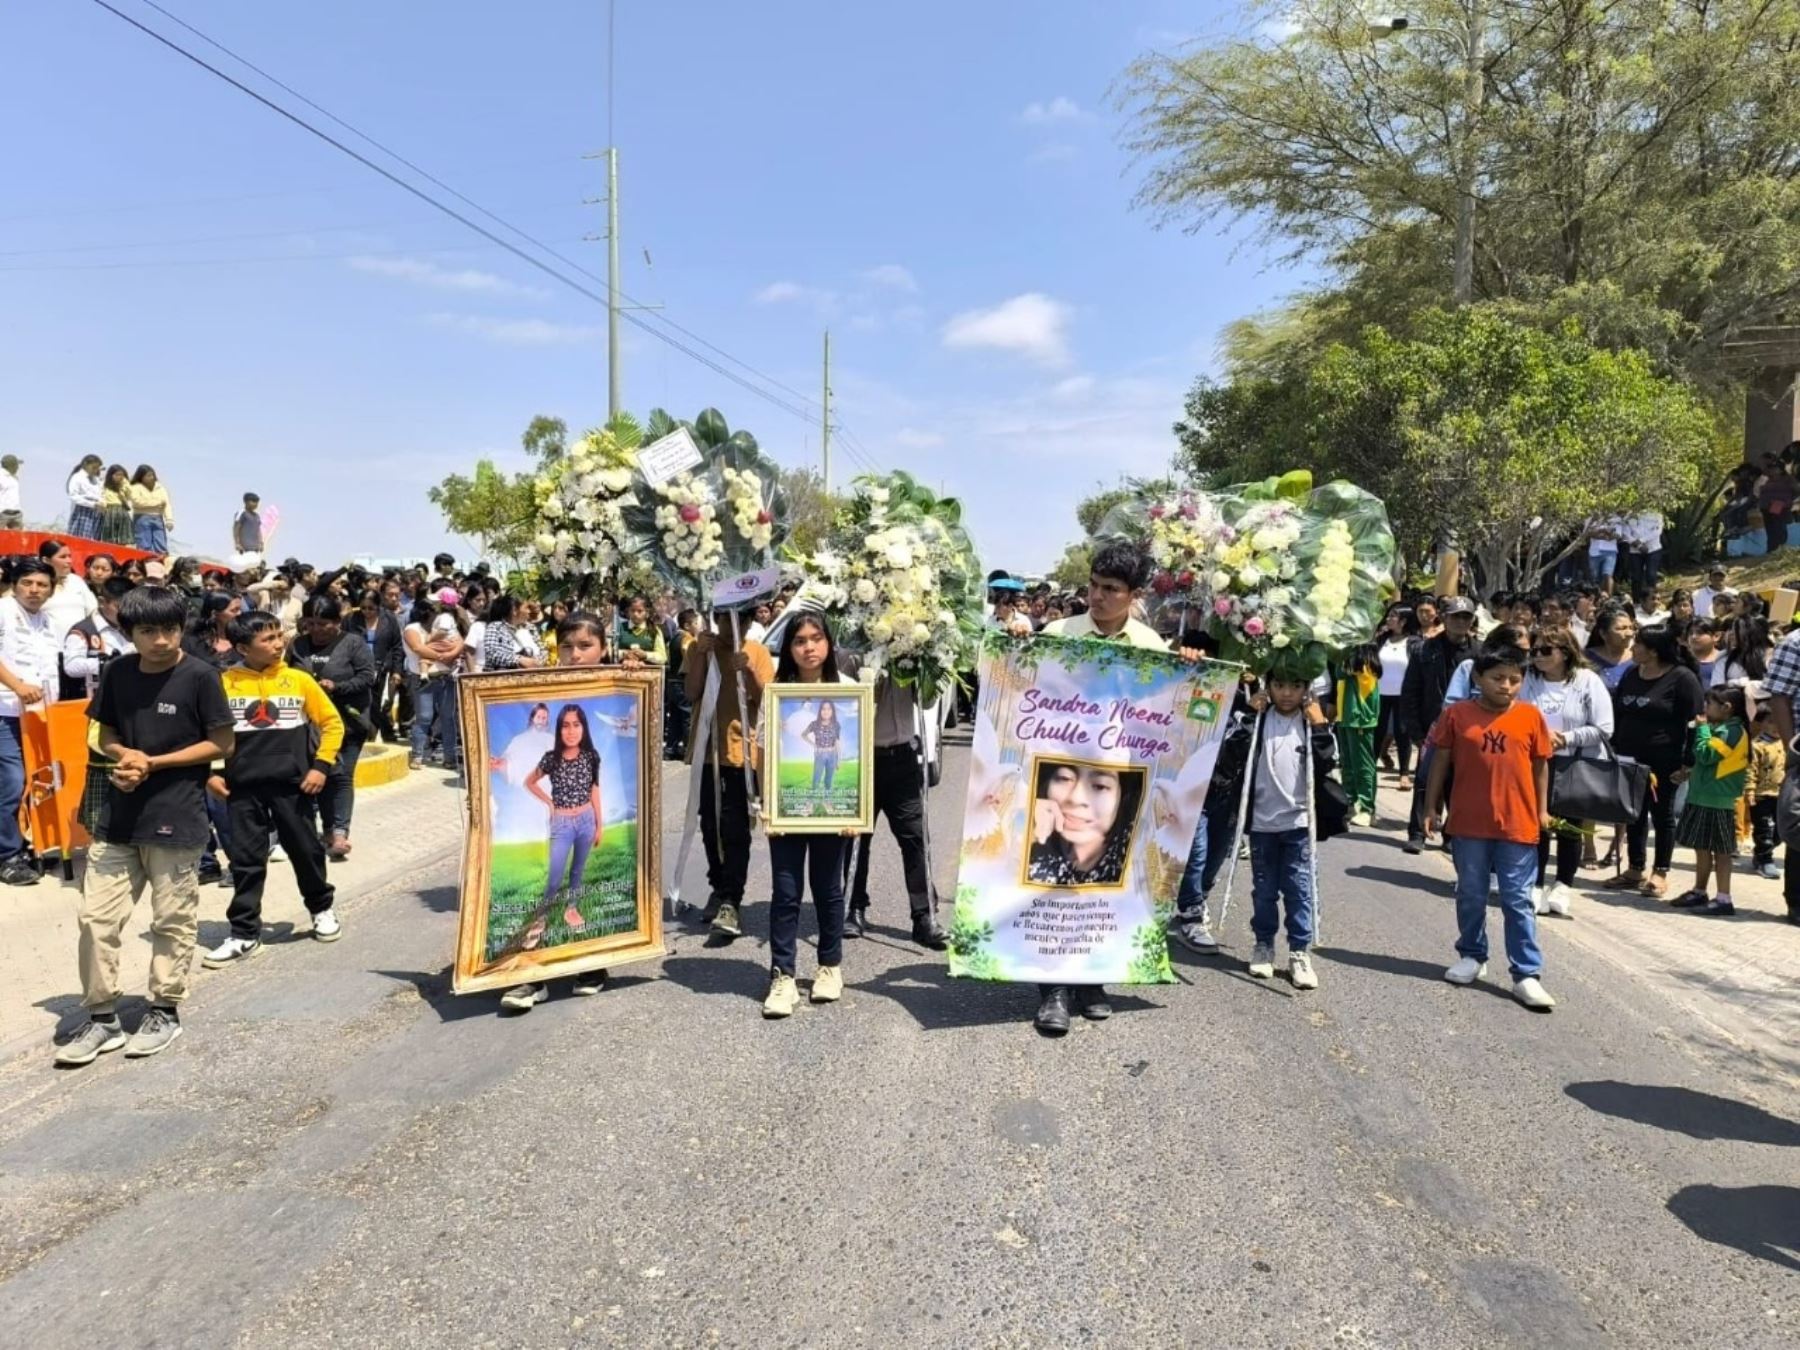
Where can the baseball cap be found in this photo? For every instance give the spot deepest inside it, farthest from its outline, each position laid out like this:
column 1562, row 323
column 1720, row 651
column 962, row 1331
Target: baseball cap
column 10, row 463
column 1456, row 604
column 154, row 570
column 448, row 596
column 1716, row 570
column 1006, row 584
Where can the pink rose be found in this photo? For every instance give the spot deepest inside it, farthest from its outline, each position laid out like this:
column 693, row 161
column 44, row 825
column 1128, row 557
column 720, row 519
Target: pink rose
column 690, row 513
column 1253, row 626
column 1156, row 512
column 1222, row 606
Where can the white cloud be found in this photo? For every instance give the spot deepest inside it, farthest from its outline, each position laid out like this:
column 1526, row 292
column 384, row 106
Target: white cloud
column 908, row 438
column 892, row 275
column 519, row 332
column 1032, row 325
column 1279, row 27
column 793, row 293
column 1059, row 109
column 423, row 273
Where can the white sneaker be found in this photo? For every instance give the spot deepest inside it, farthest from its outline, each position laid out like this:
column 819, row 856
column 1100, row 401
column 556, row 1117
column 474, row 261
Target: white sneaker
column 784, row 996
column 1466, row 971
column 1361, row 819
column 1262, row 961
column 1196, row 937
column 1559, row 900
column 277, row 853
column 326, row 926
column 1537, row 900
column 1533, row 994
column 524, row 997
column 1300, row 971
column 231, row 949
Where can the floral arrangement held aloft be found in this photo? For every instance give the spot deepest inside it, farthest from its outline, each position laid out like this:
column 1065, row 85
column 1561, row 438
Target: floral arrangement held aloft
column 899, row 578
column 582, row 540
column 1281, row 574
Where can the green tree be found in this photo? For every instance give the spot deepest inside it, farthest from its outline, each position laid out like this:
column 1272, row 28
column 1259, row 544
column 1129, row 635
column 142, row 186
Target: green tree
column 1073, row 569
column 1512, row 437
column 1636, row 164
column 810, row 508
column 494, row 508
column 546, row 439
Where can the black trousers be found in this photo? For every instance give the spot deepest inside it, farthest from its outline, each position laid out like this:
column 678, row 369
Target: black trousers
column 253, row 813
column 1762, row 829
column 1659, row 809
column 1568, row 857
column 725, row 831
column 1790, row 888
column 899, row 795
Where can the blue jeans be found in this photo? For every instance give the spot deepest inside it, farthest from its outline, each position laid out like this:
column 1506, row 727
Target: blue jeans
column 1209, row 852
column 436, row 700
column 569, row 835
column 150, row 534
column 1281, row 869
column 797, row 859
column 219, row 815
column 84, row 522
column 1516, row 867
column 825, row 764
column 12, row 787
column 1601, row 566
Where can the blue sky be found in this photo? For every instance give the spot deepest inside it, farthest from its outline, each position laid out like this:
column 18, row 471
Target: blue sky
column 191, row 281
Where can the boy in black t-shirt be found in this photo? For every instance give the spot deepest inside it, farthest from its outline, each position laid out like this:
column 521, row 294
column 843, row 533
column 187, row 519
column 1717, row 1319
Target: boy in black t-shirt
column 163, row 720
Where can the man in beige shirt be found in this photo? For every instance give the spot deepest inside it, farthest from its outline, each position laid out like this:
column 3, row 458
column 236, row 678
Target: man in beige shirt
column 724, row 795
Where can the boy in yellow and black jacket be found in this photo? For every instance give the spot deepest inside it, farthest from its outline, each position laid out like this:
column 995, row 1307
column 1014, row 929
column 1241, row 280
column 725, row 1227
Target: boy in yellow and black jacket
column 1768, row 765
column 288, row 735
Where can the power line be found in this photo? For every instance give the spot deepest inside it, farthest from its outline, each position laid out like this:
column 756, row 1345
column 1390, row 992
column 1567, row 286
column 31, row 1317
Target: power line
column 202, row 239
column 449, row 211
column 422, row 195
column 153, row 263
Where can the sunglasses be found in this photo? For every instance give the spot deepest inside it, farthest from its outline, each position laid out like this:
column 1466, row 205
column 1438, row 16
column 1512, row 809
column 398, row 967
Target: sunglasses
column 1545, row 651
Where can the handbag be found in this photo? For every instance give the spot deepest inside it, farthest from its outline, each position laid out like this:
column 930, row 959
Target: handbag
column 1604, row 788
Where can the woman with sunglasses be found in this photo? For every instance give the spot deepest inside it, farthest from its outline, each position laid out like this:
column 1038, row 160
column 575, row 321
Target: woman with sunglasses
column 1578, row 707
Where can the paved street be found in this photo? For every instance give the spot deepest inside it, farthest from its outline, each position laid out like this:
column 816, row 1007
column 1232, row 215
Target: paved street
column 340, row 1152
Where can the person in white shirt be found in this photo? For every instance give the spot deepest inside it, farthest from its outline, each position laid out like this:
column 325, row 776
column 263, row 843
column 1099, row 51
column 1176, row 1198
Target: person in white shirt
column 28, row 680
column 95, row 640
column 12, row 505
column 70, row 599
column 84, row 498
column 1603, row 552
column 1643, row 535
column 1704, row 597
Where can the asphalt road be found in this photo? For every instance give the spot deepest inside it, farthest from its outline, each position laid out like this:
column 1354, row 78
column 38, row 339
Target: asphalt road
column 340, row 1152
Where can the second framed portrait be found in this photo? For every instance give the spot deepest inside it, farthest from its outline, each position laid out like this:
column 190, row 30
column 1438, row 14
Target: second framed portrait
column 818, row 752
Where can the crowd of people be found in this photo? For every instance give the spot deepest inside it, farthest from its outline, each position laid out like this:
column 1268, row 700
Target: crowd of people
column 232, row 708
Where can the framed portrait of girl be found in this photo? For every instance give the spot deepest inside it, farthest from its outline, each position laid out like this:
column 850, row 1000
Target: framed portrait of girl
column 562, row 868
column 818, row 752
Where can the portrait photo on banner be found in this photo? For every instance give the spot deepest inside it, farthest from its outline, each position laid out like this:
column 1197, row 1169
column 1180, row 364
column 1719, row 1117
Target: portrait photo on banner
column 1083, row 816
column 562, row 866
column 817, row 752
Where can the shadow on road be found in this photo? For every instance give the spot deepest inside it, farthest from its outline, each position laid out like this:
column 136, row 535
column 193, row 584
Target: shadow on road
column 1411, row 881
column 938, row 1003
column 1698, row 1115
column 1385, row 964
column 743, row 977
column 439, row 899
column 1760, row 1221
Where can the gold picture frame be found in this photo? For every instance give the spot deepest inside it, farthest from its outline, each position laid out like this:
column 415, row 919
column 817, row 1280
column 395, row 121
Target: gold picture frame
column 515, row 924
column 802, row 804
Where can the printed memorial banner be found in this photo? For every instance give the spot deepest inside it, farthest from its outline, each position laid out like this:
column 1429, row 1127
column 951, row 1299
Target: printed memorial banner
column 817, row 749
column 1090, row 767
column 558, row 876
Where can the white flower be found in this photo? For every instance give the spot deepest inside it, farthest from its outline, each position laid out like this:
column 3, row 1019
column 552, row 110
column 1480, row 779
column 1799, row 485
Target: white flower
column 864, row 592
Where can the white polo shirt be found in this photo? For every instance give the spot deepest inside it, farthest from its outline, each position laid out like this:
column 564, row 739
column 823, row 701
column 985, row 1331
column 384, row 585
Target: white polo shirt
column 28, row 648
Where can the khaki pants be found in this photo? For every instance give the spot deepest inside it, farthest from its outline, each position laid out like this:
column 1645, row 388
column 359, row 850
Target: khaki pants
column 116, row 874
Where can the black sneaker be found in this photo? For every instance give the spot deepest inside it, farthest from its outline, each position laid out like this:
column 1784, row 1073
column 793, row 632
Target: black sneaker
column 1689, row 900
column 1722, row 905
column 16, row 871
column 856, row 921
column 1413, row 846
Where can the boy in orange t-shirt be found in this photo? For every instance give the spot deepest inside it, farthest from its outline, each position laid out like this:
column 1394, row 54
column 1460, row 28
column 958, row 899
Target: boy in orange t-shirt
column 1499, row 752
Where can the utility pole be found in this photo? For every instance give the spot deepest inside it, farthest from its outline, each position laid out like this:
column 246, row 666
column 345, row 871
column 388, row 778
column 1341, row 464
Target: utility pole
column 612, row 282
column 825, row 425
